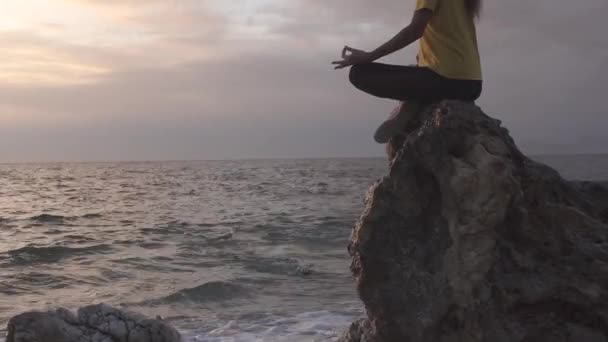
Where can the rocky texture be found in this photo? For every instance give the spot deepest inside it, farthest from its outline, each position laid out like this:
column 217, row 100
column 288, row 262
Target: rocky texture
column 97, row 323
column 469, row 240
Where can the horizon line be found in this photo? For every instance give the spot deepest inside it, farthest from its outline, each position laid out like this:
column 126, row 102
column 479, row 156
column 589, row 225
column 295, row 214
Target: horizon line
column 108, row 161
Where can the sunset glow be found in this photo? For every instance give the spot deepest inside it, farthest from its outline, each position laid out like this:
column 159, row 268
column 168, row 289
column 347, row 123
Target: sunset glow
column 63, row 42
column 33, row 35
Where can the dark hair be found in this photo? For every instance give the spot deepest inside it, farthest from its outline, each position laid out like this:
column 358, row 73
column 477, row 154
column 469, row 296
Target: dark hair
column 473, row 7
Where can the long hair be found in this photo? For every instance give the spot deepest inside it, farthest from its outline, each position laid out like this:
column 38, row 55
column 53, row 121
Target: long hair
column 473, row 7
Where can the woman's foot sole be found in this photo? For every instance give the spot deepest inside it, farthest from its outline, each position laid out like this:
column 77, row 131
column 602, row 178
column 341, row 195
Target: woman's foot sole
column 387, row 130
column 396, row 122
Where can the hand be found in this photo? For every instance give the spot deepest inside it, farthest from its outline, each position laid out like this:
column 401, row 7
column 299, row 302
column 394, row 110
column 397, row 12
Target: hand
column 352, row 56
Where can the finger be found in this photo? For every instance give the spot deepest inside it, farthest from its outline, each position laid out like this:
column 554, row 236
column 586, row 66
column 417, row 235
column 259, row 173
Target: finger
column 344, row 51
column 343, row 65
column 337, row 62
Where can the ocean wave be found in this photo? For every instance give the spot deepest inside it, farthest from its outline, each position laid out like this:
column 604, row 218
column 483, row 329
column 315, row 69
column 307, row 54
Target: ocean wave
column 35, row 254
column 249, row 225
column 77, row 238
column 40, row 281
column 113, row 274
column 13, row 290
column 207, row 292
column 48, row 218
column 152, row 245
column 150, row 265
column 58, row 219
column 321, row 326
column 279, row 266
column 92, row 216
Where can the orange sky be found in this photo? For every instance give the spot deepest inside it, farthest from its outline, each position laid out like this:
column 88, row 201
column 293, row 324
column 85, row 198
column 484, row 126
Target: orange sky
column 125, row 29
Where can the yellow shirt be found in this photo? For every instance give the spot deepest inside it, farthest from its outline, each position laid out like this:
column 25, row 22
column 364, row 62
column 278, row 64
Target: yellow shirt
column 449, row 43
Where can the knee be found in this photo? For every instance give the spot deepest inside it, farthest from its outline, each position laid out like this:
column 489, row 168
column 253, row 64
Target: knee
column 473, row 93
column 478, row 91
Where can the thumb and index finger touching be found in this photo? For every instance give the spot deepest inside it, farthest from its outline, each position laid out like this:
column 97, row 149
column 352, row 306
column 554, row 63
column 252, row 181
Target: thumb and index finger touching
column 345, row 53
column 346, row 50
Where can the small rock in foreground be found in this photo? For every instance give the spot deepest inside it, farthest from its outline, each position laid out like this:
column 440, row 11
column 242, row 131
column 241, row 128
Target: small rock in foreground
column 95, row 323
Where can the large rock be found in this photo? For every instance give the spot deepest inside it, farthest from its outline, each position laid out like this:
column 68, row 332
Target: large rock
column 469, row 240
column 96, row 323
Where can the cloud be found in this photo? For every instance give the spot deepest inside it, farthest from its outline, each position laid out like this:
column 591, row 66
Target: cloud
column 223, row 79
column 31, row 59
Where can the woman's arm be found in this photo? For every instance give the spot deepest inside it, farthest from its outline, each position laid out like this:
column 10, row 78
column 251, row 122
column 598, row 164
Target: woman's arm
column 405, row 37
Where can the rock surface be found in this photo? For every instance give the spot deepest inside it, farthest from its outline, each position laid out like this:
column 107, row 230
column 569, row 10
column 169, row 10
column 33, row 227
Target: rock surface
column 469, row 240
column 96, row 323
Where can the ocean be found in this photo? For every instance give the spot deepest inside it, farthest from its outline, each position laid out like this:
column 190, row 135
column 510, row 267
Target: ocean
column 223, row 250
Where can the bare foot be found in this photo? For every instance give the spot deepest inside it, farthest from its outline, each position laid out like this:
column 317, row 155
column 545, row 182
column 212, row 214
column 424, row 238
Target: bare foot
column 399, row 117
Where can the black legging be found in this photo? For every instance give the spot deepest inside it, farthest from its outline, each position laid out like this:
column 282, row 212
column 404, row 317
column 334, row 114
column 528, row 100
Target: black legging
column 412, row 83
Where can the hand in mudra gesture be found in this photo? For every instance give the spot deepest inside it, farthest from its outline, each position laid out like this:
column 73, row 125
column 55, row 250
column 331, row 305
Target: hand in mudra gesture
column 352, row 56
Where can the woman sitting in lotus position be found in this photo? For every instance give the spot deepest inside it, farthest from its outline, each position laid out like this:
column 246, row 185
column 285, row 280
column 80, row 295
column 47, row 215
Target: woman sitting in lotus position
column 448, row 62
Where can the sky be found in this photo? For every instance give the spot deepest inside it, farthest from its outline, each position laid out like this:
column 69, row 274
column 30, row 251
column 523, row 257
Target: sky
column 85, row 80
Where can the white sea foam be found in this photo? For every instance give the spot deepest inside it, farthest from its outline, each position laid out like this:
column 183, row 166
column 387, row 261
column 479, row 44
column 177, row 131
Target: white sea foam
column 318, row 326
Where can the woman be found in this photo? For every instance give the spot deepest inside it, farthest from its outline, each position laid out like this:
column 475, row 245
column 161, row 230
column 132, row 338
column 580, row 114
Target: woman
column 448, row 62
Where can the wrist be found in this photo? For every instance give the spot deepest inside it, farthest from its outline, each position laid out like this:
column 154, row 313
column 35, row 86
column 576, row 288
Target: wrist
column 374, row 55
